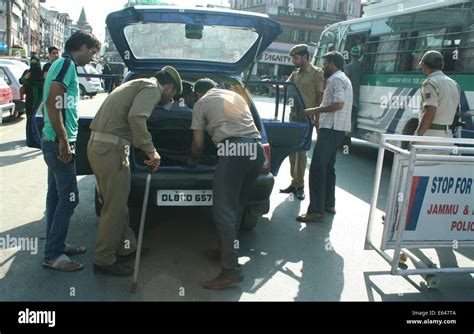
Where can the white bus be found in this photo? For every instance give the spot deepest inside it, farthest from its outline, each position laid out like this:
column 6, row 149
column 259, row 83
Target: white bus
column 392, row 42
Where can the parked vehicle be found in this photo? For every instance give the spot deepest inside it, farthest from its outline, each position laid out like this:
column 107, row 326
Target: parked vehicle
column 24, row 60
column 196, row 42
column 7, row 107
column 392, row 46
column 119, row 69
column 11, row 71
column 88, row 85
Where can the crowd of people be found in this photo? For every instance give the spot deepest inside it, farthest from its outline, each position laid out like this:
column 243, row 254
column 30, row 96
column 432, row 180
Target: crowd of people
column 331, row 97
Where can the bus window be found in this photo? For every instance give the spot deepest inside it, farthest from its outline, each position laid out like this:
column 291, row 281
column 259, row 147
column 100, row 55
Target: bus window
column 351, row 41
column 387, row 55
column 442, row 16
column 450, row 50
column 423, row 41
column 327, row 43
column 466, row 56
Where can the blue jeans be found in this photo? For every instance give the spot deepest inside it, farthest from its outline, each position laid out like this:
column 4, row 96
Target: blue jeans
column 62, row 198
column 322, row 174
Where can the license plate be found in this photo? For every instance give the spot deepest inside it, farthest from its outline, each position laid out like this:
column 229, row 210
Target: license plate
column 184, row 197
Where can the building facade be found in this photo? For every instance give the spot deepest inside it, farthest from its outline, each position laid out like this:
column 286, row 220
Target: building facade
column 55, row 26
column 302, row 21
column 25, row 27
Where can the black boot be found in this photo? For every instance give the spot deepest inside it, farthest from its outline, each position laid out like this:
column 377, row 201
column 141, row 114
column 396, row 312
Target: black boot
column 288, row 190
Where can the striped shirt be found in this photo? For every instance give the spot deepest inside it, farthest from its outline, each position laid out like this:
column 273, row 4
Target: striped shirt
column 63, row 71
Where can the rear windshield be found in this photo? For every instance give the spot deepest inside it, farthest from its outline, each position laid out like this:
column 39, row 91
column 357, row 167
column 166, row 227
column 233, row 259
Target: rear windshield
column 168, row 41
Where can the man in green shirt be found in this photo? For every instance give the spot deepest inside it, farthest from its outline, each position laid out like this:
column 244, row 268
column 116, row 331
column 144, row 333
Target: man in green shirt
column 61, row 94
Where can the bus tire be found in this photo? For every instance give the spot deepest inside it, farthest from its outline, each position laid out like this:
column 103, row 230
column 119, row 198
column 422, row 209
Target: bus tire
column 410, row 128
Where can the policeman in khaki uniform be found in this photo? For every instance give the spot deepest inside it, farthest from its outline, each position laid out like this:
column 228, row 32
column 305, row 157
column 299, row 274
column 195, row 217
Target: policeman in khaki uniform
column 119, row 123
column 440, row 99
column 309, row 81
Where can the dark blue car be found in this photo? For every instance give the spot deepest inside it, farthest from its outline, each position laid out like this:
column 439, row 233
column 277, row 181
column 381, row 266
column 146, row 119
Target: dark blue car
column 198, row 42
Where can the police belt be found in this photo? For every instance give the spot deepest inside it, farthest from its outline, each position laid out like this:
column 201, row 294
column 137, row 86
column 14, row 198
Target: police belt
column 440, row 127
column 108, row 138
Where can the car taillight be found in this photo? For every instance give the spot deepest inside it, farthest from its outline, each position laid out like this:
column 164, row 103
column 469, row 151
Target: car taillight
column 267, row 164
column 88, row 79
column 23, row 97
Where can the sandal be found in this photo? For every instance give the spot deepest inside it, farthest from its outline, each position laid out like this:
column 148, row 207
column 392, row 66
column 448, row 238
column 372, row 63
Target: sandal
column 331, row 210
column 73, row 250
column 63, row 263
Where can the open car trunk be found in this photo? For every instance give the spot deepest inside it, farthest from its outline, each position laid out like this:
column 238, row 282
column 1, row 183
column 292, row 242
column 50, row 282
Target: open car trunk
column 172, row 137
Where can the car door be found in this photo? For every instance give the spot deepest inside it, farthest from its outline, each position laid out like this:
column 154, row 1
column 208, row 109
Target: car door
column 279, row 104
column 34, row 134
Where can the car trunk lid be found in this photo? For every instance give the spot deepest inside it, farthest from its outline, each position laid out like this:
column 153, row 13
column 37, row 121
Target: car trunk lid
column 190, row 39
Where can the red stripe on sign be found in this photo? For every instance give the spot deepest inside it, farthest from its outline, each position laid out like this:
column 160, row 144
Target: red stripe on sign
column 414, row 186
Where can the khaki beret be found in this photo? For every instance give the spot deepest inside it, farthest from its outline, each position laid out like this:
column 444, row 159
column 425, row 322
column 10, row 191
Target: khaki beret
column 176, row 77
column 297, row 49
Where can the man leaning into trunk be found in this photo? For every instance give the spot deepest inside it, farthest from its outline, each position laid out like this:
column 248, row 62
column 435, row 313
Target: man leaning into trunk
column 119, row 123
column 227, row 118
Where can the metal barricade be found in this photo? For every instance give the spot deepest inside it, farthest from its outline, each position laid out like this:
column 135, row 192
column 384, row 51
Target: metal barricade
column 430, row 201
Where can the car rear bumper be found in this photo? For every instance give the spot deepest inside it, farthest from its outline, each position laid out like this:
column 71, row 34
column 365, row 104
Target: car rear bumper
column 7, row 109
column 189, row 181
column 19, row 105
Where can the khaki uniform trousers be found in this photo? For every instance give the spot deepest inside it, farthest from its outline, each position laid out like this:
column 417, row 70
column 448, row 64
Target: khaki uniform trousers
column 298, row 168
column 111, row 167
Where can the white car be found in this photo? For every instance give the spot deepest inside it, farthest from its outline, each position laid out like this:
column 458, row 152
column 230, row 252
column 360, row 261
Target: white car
column 89, row 86
column 7, row 107
column 11, row 71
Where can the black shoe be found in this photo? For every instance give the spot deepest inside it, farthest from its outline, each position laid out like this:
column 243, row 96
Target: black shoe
column 226, row 279
column 288, row 190
column 300, row 194
column 115, row 269
column 128, row 257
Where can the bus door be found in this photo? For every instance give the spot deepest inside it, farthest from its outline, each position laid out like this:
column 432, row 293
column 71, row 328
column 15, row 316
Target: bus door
column 354, row 39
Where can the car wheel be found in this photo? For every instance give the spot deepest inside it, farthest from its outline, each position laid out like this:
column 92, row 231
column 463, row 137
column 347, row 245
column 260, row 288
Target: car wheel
column 83, row 90
column 249, row 220
column 93, row 94
column 16, row 114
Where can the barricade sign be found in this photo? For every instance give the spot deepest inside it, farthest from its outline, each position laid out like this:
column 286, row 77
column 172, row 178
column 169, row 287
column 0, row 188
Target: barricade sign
column 430, row 201
column 440, row 206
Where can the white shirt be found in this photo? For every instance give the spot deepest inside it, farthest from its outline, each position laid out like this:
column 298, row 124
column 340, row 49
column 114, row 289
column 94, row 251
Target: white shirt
column 338, row 89
column 442, row 92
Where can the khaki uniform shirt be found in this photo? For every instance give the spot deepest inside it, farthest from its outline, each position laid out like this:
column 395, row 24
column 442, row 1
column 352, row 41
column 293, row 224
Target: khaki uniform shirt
column 442, row 92
column 125, row 111
column 310, row 83
column 224, row 114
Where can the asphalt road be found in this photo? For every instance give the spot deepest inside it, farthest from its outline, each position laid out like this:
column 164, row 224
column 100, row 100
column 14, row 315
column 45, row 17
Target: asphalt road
column 283, row 260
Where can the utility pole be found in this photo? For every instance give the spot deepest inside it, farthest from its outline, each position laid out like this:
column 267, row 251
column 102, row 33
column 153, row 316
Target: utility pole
column 29, row 7
column 9, row 26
